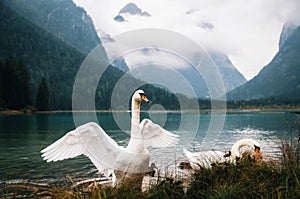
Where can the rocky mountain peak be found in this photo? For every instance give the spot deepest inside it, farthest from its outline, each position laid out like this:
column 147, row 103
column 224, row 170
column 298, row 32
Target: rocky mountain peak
column 133, row 9
column 280, row 79
column 287, row 29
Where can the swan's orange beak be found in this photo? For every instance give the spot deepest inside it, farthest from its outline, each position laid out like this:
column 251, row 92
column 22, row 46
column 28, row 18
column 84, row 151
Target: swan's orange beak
column 258, row 153
column 144, row 98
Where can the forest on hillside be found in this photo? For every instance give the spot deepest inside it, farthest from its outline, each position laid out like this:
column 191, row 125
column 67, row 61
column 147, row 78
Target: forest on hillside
column 38, row 69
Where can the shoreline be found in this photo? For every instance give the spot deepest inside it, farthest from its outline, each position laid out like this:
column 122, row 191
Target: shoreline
column 295, row 110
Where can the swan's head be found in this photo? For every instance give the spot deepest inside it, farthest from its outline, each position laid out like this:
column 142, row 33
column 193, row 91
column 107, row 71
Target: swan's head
column 139, row 96
column 257, row 151
column 254, row 145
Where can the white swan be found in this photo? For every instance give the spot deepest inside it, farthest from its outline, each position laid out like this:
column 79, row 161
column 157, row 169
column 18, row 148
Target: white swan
column 109, row 158
column 235, row 154
column 204, row 159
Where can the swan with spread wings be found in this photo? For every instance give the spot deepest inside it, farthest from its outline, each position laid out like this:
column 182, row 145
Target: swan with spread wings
column 125, row 163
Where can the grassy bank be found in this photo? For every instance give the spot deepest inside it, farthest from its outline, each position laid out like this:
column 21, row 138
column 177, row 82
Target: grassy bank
column 251, row 179
column 247, row 179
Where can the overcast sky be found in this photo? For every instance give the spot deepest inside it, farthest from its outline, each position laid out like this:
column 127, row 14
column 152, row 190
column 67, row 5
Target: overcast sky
column 247, row 31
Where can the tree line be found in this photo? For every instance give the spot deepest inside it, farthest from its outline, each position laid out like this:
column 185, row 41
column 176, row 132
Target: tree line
column 16, row 87
column 17, row 92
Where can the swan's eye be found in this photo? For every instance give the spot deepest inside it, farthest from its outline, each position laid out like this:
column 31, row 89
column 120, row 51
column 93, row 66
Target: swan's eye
column 143, row 97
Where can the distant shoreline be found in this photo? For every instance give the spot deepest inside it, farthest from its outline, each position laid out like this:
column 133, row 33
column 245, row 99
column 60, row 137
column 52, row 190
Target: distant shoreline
column 202, row 111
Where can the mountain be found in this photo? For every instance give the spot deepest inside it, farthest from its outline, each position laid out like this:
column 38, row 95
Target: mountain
column 63, row 19
column 43, row 54
column 130, row 9
column 280, row 79
column 119, row 18
column 41, row 60
column 232, row 78
column 287, row 29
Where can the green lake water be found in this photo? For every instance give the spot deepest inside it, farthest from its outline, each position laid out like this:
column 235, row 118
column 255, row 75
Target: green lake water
column 23, row 136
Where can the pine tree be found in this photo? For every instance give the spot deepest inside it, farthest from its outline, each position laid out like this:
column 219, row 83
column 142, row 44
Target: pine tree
column 42, row 100
column 15, row 85
column 1, row 97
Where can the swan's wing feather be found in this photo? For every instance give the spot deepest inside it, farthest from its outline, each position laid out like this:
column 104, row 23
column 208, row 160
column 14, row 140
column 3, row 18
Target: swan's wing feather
column 204, row 158
column 215, row 156
column 155, row 136
column 66, row 147
column 88, row 139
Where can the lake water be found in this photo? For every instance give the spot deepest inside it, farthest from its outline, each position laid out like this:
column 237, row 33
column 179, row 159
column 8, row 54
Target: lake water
column 23, row 136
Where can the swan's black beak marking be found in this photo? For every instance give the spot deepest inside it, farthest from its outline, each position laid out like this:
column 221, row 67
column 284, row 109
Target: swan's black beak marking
column 257, row 151
column 144, row 98
column 227, row 154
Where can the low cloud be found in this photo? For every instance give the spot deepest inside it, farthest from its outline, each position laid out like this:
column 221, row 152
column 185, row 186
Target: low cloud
column 248, row 31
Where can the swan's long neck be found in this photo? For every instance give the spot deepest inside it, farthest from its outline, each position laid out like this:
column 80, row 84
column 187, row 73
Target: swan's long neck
column 135, row 114
column 237, row 146
column 135, row 144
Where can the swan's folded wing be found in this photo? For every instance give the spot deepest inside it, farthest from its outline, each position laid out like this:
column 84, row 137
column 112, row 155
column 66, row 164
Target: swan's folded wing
column 204, row 159
column 90, row 140
column 155, row 136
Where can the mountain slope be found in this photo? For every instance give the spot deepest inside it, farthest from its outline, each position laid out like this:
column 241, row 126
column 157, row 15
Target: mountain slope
column 44, row 55
column 280, row 78
column 232, row 78
column 48, row 57
column 63, row 19
column 287, row 30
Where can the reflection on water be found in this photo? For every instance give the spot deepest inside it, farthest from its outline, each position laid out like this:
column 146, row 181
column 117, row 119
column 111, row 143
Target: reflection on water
column 42, row 122
column 23, row 136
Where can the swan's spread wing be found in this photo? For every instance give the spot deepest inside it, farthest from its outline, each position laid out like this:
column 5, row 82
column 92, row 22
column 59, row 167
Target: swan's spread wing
column 155, row 136
column 90, row 140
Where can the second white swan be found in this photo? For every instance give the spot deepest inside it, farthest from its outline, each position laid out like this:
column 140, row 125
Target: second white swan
column 205, row 159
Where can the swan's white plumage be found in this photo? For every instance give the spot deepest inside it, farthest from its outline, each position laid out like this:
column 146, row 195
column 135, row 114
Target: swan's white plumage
column 91, row 140
column 155, row 136
column 206, row 158
column 235, row 149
